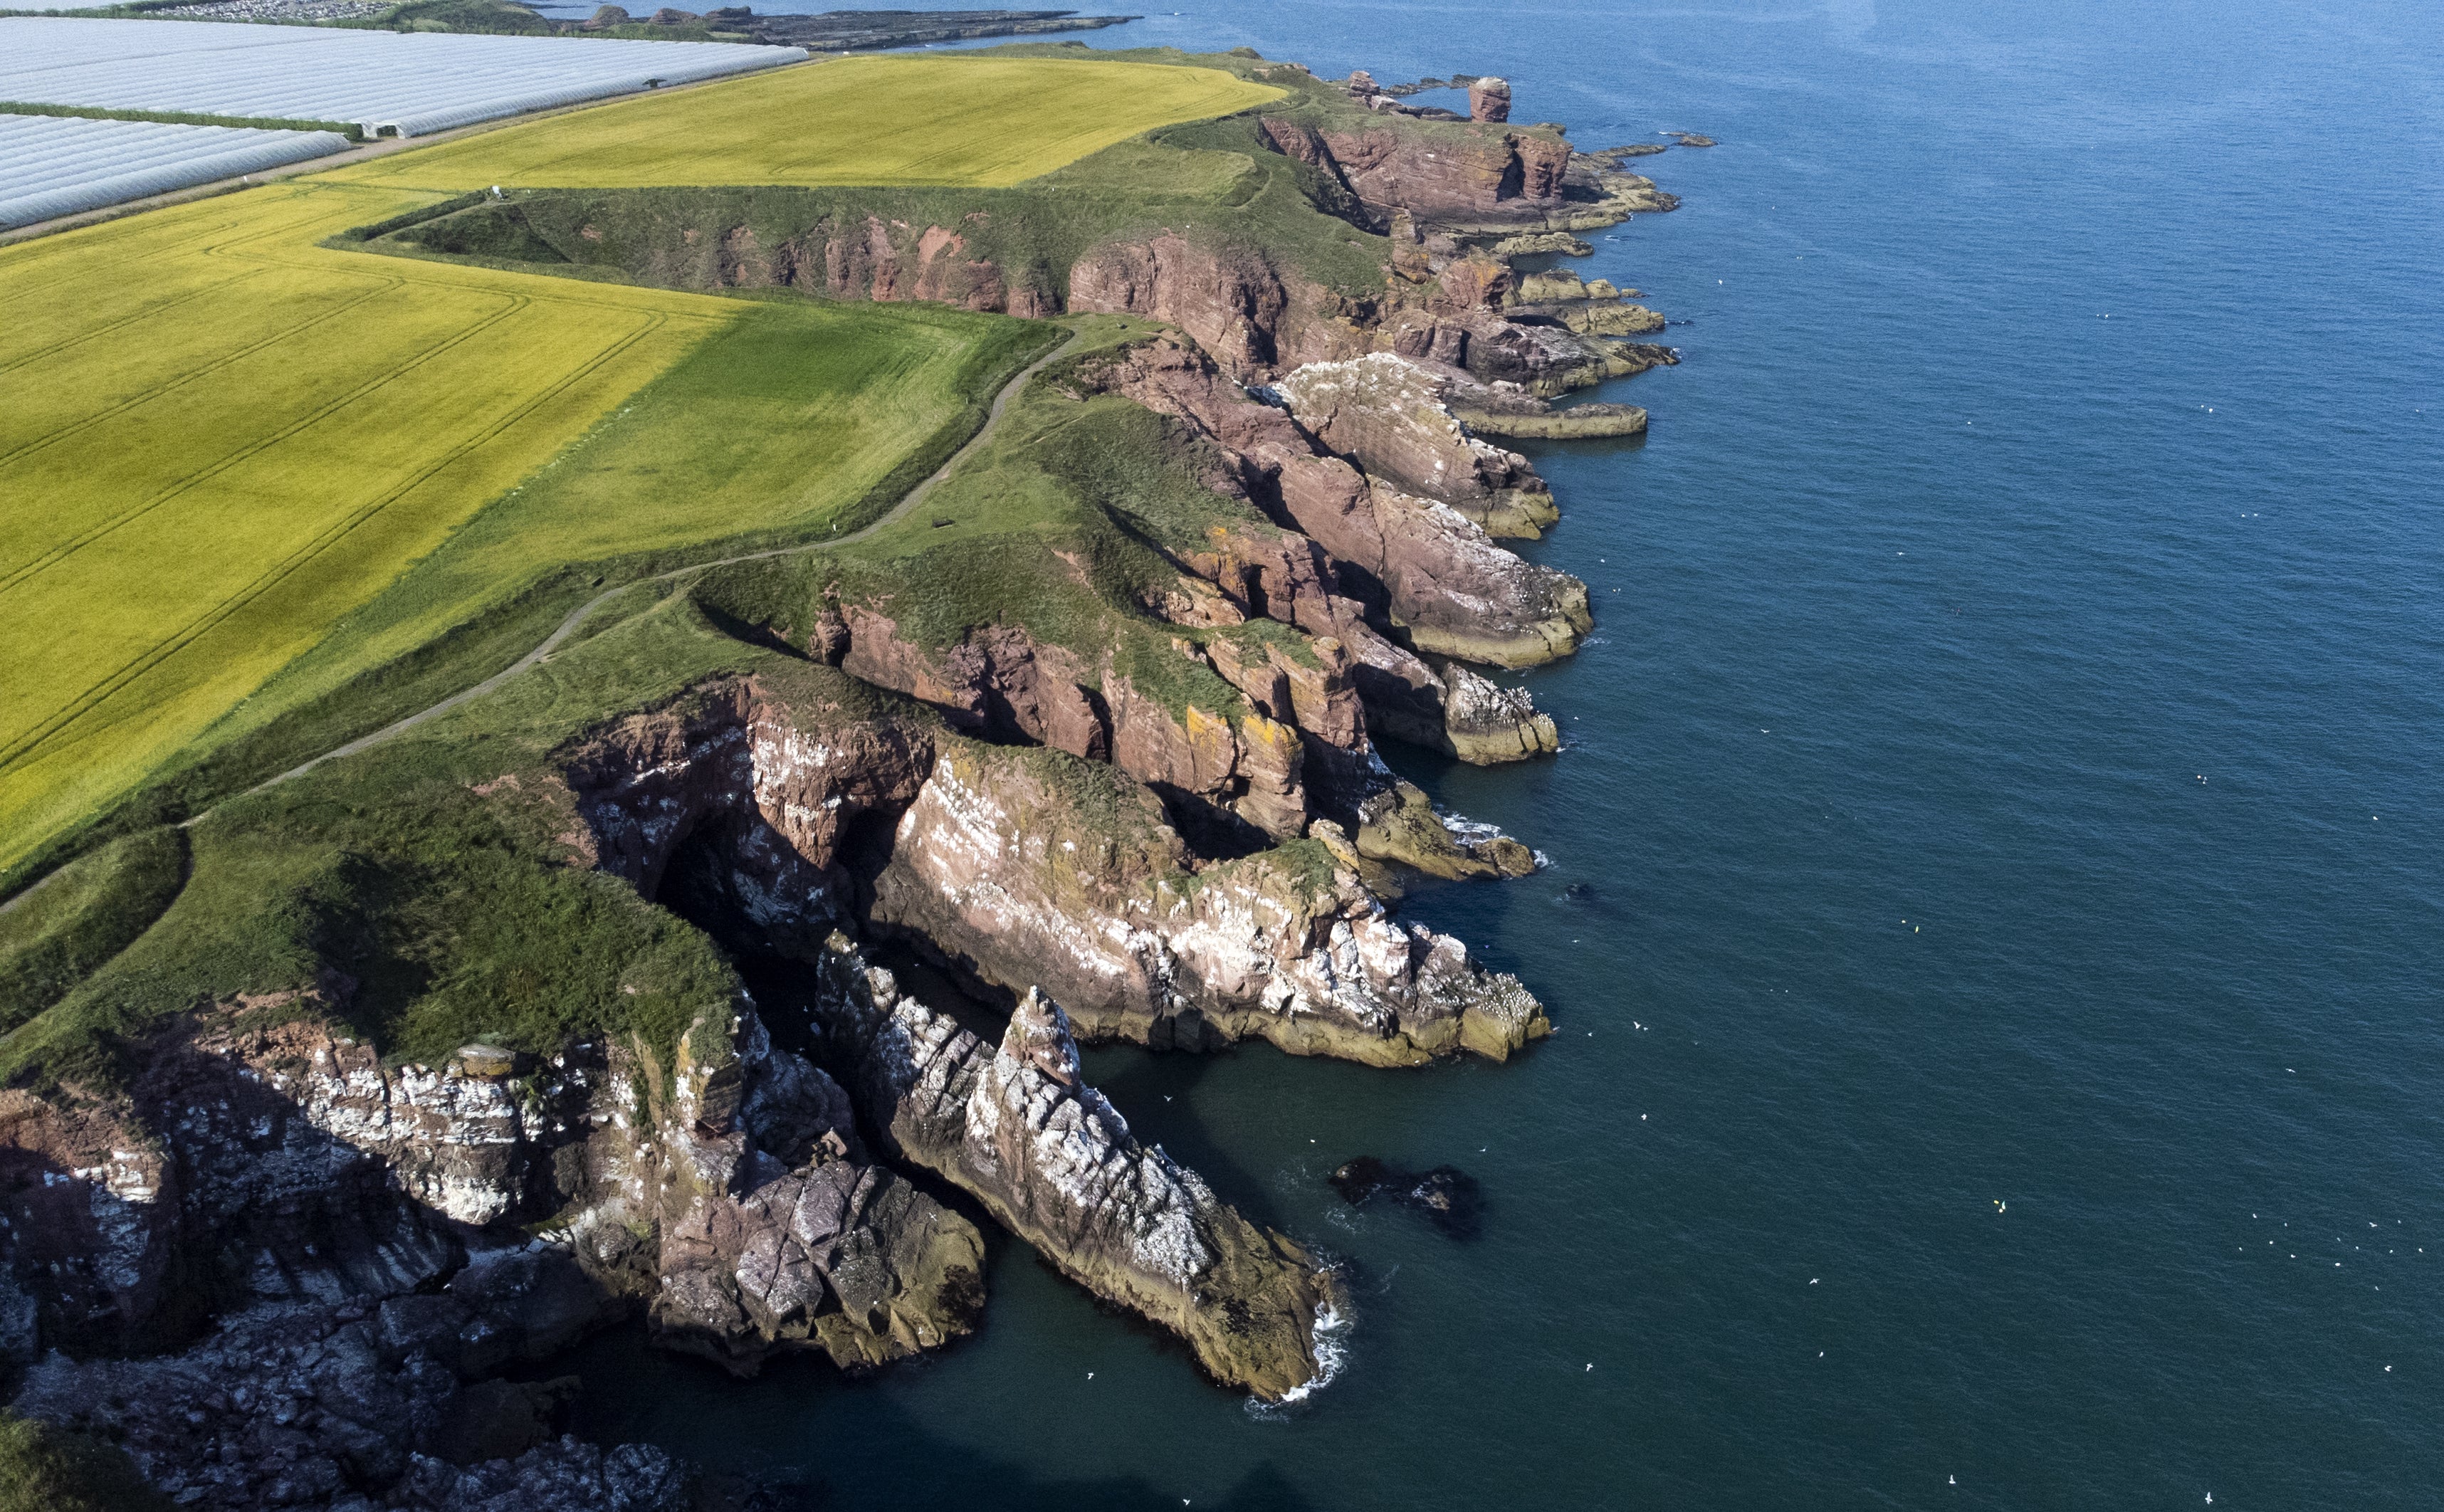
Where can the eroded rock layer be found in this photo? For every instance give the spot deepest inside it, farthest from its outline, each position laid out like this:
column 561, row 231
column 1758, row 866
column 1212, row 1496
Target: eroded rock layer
column 1014, row 1126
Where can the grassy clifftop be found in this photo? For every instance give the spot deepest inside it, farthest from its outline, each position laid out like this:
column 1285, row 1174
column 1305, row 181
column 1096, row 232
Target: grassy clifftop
column 229, row 462
column 874, row 119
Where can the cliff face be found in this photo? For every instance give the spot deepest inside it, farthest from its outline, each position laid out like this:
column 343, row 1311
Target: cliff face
column 776, row 1231
column 267, row 1168
column 1434, row 571
column 131, row 1216
column 1015, row 1127
column 263, row 1157
column 857, row 257
column 1232, row 301
column 1388, row 415
column 1246, row 763
column 1467, row 174
column 1141, row 805
column 356, row 1403
column 1025, row 876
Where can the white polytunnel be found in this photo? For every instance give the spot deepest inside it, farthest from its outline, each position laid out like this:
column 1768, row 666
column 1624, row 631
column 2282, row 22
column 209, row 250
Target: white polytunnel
column 388, row 83
column 57, row 166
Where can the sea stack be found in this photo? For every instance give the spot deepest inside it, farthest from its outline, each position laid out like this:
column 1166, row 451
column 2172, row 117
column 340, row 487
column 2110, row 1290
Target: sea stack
column 1489, row 100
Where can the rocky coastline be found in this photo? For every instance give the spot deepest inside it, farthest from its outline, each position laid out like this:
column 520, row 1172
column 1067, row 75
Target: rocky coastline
column 282, row 1265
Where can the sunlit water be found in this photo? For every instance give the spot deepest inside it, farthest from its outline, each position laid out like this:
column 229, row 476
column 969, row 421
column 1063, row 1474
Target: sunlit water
column 1998, row 1064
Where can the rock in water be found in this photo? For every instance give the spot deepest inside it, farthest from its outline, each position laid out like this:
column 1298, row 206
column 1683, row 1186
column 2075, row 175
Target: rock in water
column 1019, row 1129
column 1448, row 1196
column 1489, row 100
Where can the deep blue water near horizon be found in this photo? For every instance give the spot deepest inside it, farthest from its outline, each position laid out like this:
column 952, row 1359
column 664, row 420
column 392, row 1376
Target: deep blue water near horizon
column 1998, row 1064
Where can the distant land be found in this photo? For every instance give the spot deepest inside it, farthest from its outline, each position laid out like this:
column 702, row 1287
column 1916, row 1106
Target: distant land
column 829, row 31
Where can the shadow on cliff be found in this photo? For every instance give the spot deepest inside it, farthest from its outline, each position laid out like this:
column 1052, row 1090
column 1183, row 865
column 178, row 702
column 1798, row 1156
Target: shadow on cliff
column 222, row 1193
column 1151, row 1090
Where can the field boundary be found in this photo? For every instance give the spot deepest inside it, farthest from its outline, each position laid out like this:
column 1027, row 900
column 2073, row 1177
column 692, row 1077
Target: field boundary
column 578, row 617
column 379, row 148
column 183, row 118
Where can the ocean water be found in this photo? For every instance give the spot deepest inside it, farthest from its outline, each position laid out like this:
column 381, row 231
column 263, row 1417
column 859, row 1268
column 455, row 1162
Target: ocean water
column 1998, row 1060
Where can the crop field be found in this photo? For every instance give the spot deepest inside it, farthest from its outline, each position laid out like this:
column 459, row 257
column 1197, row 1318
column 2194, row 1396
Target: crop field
column 244, row 468
column 217, row 438
column 872, row 120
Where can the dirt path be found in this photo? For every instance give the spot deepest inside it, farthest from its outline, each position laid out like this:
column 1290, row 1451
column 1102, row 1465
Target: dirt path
column 578, row 616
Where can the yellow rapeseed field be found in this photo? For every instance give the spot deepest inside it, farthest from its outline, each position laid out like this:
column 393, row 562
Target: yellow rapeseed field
column 216, row 437
column 876, row 118
column 219, row 439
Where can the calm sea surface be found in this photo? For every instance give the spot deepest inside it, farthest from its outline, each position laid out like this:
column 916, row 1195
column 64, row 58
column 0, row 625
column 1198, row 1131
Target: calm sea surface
column 1999, row 1062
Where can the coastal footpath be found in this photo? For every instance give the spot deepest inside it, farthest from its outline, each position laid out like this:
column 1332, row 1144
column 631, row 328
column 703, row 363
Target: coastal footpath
column 723, row 972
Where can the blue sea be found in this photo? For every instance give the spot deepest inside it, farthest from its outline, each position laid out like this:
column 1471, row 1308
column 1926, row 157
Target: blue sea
column 1998, row 1060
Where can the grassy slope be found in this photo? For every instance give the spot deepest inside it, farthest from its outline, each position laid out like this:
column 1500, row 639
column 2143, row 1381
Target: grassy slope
column 225, row 438
column 792, row 423
column 92, row 910
column 877, row 118
column 348, row 414
column 46, row 1469
column 1214, row 182
column 449, row 906
column 1065, row 525
column 455, row 907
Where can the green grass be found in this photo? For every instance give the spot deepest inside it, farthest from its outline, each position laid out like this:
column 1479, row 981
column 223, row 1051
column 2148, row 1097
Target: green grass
column 444, row 892
column 877, row 118
column 795, row 422
column 47, row 1469
column 263, row 430
column 88, row 913
column 221, row 439
column 454, row 910
column 779, row 421
column 1215, row 183
column 1065, row 524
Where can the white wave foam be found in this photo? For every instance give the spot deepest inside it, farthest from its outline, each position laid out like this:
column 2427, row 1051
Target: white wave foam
column 1331, row 1354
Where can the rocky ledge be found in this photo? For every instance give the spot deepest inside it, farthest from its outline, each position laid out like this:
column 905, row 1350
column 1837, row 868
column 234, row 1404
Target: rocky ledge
column 1016, row 1127
column 283, row 1269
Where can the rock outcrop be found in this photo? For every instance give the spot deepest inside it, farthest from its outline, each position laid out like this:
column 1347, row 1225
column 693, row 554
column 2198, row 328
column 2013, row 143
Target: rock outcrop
column 1237, row 306
column 1439, row 576
column 270, row 1156
column 1387, row 415
column 1218, row 764
column 350, row 1406
column 1489, row 100
column 127, row 1218
column 1486, row 723
column 775, row 1232
column 1475, row 175
column 1026, row 871
column 1016, row 1127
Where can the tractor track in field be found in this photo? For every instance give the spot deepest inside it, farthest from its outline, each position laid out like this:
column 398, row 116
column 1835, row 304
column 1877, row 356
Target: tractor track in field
column 578, row 617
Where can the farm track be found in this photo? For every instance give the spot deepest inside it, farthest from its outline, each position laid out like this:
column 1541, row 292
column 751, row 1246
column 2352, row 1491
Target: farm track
column 329, row 537
column 578, row 617
column 181, row 380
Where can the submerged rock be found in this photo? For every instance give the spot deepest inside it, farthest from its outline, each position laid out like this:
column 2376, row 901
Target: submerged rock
column 1448, row 1196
